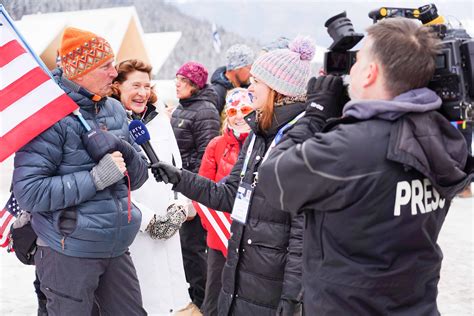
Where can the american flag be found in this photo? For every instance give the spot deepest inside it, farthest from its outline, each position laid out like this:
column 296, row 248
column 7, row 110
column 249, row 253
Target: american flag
column 7, row 217
column 217, row 221
column 30, row 101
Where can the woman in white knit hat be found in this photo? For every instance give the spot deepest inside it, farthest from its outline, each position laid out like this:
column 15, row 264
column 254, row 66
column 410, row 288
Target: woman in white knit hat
column 262, row 274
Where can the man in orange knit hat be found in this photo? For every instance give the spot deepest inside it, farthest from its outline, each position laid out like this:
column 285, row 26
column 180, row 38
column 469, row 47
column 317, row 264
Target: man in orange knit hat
column 77, row 191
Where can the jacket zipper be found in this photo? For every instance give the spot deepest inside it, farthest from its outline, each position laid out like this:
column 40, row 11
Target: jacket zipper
column 119, row 225
column 321, row 235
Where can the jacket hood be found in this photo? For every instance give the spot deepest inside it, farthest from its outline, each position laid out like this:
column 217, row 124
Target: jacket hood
column 205, row 94
column 430, row 144
column 218, row 77
column 417, row 100
column 281, row 116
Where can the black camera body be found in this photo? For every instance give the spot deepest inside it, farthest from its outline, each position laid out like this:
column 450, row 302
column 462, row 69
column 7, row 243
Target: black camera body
column 339, row 58
column 453, row 80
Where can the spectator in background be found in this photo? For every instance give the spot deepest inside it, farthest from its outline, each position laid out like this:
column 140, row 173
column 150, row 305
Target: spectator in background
column 262, row 273
column 217, row 162
column 234, row 75
column 280, row 43
column 77, row 192
column 156, row 251
column 195, row 122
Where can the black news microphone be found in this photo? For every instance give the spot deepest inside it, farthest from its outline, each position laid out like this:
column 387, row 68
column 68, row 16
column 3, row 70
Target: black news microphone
column 141, row 136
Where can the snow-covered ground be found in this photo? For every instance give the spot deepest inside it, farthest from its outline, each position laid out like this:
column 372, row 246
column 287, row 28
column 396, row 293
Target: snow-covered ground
column 456, row 288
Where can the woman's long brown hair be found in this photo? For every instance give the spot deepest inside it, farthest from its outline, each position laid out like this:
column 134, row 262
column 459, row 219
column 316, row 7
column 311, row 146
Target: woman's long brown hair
column 265, row 117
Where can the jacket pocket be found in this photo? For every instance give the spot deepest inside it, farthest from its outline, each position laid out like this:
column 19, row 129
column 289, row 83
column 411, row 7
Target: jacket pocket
column 67, row 221
column 66, row 296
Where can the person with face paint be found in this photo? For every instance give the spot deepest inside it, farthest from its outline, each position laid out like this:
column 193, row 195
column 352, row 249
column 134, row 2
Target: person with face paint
column 217, row 162
column 156, row 250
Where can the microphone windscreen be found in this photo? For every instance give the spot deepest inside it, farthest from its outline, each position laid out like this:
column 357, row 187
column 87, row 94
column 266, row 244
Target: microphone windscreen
column 138, row 132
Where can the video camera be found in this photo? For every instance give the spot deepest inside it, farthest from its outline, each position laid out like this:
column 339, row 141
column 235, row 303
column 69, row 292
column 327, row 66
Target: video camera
column 453, row 80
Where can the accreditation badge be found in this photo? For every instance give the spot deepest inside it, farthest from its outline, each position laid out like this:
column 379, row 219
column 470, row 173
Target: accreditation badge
column 242, row 203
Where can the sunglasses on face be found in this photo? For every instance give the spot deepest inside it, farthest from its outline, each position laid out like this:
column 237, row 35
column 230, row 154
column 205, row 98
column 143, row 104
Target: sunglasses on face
column 246, row 109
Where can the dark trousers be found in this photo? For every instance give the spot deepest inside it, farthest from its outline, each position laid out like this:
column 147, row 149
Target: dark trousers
column 193, row 248
column 72, row 284
column 215, row 264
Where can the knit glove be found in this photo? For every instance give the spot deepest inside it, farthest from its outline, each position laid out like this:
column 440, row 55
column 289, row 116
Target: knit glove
column 164, row 227
column 325, row 97
column 166, row 173
column 105, row 173
column 288, row 308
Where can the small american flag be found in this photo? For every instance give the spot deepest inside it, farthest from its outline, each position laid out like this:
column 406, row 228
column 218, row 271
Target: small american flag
column 7, row 216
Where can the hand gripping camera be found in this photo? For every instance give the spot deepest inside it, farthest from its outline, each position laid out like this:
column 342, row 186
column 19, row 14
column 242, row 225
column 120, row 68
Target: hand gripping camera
column 453, row 80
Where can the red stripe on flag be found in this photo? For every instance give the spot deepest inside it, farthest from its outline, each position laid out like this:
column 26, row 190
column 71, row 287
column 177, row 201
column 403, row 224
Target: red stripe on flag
column 34, row 125
column 10, row 51
column 220, row 223
column 22, row 86
column 5, row 225
column 222, row 245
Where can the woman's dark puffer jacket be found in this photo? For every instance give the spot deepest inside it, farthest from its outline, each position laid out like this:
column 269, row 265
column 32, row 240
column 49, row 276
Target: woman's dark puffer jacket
column 264, row 260
column 195, row 122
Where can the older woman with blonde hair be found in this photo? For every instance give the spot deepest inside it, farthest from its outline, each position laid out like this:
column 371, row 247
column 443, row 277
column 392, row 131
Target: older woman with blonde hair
column 156, row 250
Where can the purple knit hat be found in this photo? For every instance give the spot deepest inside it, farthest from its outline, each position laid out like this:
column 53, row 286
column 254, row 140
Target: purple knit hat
column 195, row 72
column 286, row 70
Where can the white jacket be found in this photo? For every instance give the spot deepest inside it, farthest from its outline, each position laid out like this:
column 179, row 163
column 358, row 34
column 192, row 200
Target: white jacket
column 159, row 263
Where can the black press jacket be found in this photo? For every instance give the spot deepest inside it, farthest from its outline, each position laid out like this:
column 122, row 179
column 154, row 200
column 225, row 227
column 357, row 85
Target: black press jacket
column 195, row 122
column 375, row 190
column 264, row 256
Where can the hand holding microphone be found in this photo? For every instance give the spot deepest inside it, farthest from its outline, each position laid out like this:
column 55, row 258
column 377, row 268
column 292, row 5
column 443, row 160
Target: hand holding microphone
column 162, row 171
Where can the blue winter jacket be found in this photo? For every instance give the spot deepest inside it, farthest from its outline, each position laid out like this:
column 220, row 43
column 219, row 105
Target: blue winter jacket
column 52, row 180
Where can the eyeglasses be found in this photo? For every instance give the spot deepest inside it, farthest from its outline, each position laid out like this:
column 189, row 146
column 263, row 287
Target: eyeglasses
column 182, row 80
column 245, row 109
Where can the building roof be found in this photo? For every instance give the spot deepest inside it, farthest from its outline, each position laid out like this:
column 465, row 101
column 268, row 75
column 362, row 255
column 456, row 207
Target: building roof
column 120, row 26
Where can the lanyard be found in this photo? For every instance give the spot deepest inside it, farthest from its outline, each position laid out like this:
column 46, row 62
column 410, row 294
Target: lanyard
column 275, row 141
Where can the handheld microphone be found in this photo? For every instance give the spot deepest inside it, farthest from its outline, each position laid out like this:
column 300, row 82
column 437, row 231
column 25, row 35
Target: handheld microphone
column 141, row 136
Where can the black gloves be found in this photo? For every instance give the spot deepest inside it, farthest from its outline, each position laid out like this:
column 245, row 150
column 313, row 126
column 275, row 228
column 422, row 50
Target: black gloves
column 98, row 143
column 166, row 173
column 288, row 308
column 325, row 97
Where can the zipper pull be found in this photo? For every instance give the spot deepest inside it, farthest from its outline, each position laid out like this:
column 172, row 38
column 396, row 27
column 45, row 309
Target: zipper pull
column 63, row 241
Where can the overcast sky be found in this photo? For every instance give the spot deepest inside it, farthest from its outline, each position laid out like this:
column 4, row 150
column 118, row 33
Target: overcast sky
column 266, row 20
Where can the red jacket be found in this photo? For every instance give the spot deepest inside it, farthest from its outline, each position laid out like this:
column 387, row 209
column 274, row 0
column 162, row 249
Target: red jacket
column 219, row 158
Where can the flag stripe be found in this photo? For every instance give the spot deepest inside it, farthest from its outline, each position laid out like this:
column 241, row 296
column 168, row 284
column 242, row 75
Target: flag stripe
column 28, row 105
column 214, row 224
column 4, row 228
column 7, row 33
column 21, row 134
column 22, row 86
column 225, row 218
column 16, row 69
column 219, row 221
column 10, row 51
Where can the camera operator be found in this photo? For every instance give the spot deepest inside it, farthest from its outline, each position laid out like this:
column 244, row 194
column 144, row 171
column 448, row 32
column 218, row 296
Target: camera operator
column 375, row 185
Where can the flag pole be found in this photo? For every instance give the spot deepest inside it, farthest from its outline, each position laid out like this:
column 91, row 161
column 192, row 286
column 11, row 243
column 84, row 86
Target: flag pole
column 38, row 60
column 24, row 42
